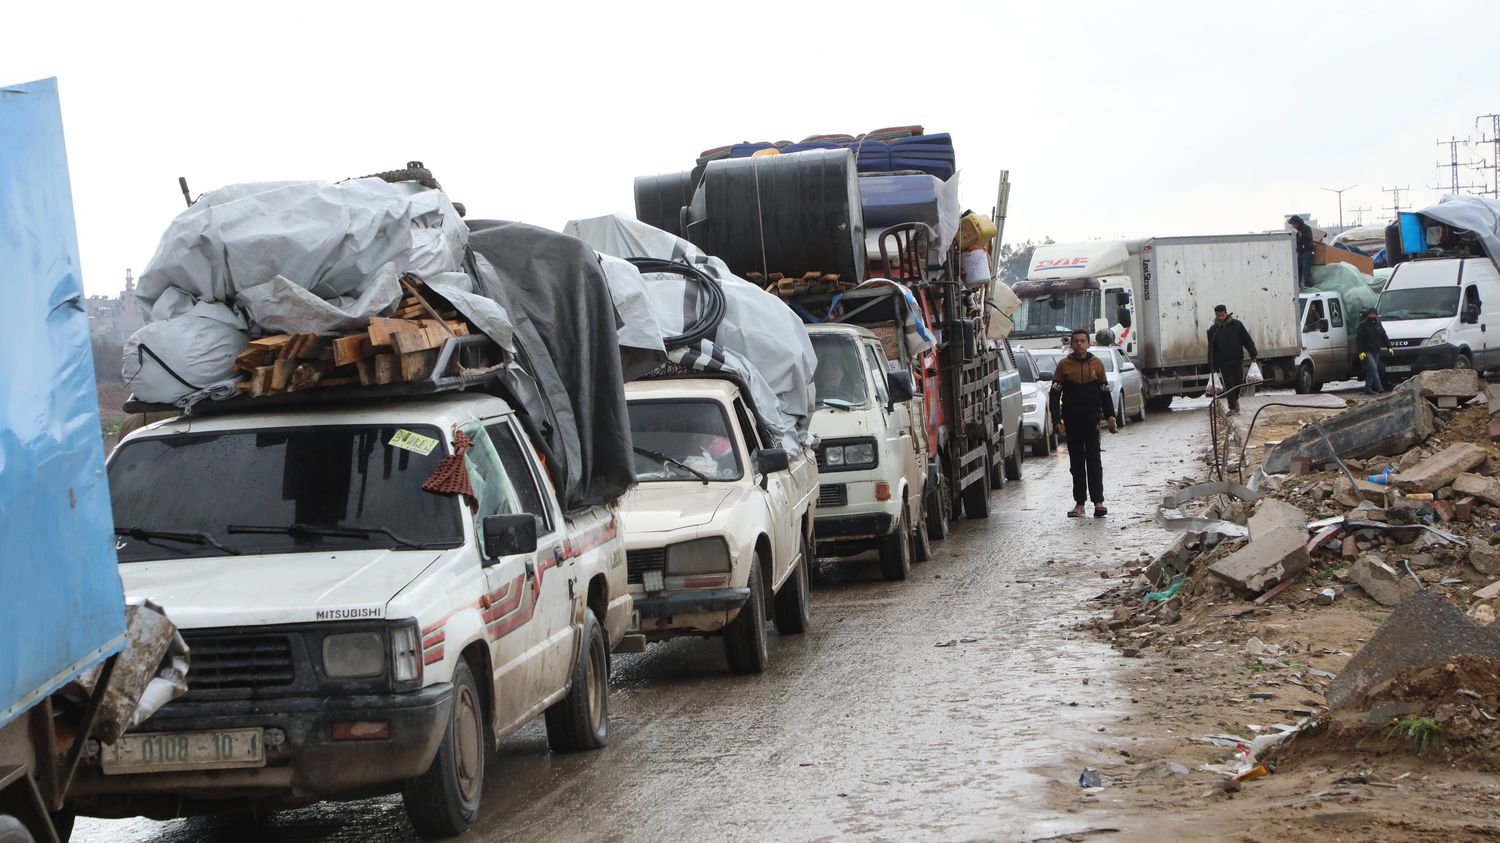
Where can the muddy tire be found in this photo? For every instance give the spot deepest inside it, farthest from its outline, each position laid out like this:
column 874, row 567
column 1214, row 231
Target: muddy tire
column 1159, row 403
column 939, row 510
column 977, row 497
column 745, row 638
column 921, row 546
column 794, row 601
column 1048, row 443
column 1463, row 361
column 1303, row 383
column 1013, row 464
column 895, row 552
column 444, row 801
column 580, row 721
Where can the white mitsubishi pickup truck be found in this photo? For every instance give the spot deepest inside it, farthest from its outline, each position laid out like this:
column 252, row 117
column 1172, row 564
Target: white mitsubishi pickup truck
column 351, row 632
column 718, row 531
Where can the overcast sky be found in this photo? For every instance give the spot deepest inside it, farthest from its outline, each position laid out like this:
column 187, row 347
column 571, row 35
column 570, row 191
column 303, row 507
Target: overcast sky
column 1114, row 119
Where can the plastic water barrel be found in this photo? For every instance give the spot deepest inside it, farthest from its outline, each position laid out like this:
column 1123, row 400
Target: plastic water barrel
column 791, row 214
column 659, row 199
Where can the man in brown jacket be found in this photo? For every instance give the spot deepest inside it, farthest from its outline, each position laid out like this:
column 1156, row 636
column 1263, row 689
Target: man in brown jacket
column 1079, row 398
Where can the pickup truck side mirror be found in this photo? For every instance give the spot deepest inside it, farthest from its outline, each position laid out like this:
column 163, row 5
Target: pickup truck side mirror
column 771, row 460
column 899, row 387
column 507, row 535
column 1323, row 325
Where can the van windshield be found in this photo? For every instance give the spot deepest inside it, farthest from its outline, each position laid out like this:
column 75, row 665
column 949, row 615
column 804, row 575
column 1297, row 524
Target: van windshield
column 300, row 489
column 1056, row 313
column 841, row 371
column 1418, row 303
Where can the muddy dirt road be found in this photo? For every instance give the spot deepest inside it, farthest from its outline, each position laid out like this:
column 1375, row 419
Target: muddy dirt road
column 864, row 728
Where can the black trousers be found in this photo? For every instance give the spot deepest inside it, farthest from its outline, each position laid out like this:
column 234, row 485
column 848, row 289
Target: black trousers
column 1234, row 375
column 1083, row 459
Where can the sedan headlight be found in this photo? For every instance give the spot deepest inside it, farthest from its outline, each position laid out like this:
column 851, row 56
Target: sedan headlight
column 353, row 655
column 849, row 453
column 1438, row 338
column 700, row 556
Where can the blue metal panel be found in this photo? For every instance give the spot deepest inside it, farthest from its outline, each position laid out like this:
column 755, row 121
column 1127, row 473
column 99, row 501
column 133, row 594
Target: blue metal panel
column 61, row 604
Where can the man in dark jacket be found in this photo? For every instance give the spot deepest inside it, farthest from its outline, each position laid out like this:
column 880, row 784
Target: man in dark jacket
column 1227, row 338
column 1304, row 250
column 1371, row 342
column 1079, row 398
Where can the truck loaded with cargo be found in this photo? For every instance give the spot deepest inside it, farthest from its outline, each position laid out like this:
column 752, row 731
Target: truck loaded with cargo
column 864, row 231
column 385, row 515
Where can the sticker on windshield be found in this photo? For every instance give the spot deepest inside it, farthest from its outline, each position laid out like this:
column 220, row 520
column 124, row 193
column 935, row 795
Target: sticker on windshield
column 414, row 442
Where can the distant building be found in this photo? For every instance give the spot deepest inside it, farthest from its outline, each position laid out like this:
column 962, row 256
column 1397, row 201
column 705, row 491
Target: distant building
column 115, row 318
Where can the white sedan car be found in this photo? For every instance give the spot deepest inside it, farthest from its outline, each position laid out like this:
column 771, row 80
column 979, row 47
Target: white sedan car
column 1124, row 378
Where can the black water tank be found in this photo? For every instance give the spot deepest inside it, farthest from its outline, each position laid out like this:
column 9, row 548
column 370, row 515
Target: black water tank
column 659, row 199
column 792, row 214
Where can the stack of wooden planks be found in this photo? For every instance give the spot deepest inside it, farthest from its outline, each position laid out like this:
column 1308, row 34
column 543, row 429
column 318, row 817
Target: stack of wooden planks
column 401, row 347
column 796, row 285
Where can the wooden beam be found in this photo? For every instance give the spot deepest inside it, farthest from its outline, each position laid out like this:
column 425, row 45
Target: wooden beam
column 387, row 369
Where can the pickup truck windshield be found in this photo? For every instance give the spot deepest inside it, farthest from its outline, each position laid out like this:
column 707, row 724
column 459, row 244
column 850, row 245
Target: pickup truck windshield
column 289, row 490
column 1418, row 303
column 841, row 371
column 683, row 440
column 1054, row 314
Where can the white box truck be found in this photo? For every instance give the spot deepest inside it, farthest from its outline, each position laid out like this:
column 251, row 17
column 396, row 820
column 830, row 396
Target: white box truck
column 1157, row 295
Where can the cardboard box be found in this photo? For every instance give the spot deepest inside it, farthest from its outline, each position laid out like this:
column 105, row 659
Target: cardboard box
column 1324, row 254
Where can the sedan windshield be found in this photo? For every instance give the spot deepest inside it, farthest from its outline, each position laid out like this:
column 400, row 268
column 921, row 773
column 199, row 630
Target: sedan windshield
column 841, row 372
column 291, row 490
column 1418, row 303
column 1106, row 356
column 683, row 440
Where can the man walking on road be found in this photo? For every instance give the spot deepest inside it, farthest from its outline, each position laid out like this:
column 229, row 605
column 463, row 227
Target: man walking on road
column 1227, row 340
column 1304, row 250
column 1079, row 398
column 1372, row 342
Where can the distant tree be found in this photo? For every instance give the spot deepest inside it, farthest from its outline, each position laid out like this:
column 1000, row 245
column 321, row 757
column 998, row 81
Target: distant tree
column 107, row 354
column 1015, row 258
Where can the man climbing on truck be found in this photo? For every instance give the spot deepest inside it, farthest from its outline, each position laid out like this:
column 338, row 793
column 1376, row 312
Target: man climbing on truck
column 1079, row 398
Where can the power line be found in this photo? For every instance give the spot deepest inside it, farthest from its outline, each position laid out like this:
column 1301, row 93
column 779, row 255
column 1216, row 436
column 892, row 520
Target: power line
column 1453, row 164
column 1359, row 215
column 1493, row 139
column 1340, row 192
column 1395, row 198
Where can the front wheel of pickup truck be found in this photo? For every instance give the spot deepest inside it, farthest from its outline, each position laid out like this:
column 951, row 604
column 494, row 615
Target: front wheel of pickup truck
column 580, row 721
column 794, row 601
column 444, row 801
column 895, row 552
column 745, row 638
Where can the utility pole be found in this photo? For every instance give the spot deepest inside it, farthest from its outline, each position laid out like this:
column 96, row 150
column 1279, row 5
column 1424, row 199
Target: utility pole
column 1453, row 165
column 1359, row 215
column 1340, row 192
column 1395, row 198
column 1494, row 140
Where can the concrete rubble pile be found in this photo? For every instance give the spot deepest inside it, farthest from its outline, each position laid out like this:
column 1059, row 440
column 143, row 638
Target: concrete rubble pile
column 1405, row 512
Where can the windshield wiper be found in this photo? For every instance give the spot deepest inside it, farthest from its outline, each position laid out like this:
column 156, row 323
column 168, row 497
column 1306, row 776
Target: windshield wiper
column 666, row 460
column 189, row 536
column 836, row 403
column 345, row 531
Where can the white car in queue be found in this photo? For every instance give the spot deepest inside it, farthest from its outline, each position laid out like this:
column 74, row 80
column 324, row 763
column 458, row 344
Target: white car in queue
column 1036, row 417
column 1124, row 379
column 718, row 529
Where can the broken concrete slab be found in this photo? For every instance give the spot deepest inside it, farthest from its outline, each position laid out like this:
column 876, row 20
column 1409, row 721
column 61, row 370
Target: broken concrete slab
column 1359, row 491
column 1441, row 468
column 1385, row 585
column 1277, row 550
column 1478, row 486
column 1485, row 558
column 1489, row 592
column 1460, row 384
column 1492, row 397
column 1388, row 425
column 1426, row 629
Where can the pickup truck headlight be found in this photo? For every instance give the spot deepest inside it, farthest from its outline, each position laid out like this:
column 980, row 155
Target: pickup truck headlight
column 406, row 656
column 353, row 655
column 849, row 453
column 1438, row 338
column 700, row 556
column 1028, row 408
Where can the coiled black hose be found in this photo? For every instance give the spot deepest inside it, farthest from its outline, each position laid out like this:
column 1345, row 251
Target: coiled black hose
column 710, row 312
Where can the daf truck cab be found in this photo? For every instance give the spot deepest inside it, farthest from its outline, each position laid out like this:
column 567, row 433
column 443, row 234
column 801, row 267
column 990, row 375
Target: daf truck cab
column 1076, row 285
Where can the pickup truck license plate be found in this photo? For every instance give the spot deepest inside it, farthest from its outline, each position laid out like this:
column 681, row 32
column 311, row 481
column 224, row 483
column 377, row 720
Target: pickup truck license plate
column 159, row 752
column 1398, row 368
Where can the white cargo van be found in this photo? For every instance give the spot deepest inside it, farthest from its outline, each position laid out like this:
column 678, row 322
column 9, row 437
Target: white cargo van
column 1437, row 314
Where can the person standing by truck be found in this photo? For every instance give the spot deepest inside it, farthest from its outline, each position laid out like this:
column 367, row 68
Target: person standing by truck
column 1304, row 250
column 1227, row 342
column 1372, row 342
column 1079, row 398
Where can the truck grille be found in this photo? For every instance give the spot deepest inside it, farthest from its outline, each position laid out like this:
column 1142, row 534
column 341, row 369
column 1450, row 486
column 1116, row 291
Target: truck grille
column 638, row 562
column 833, row 494
column 221, row 662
